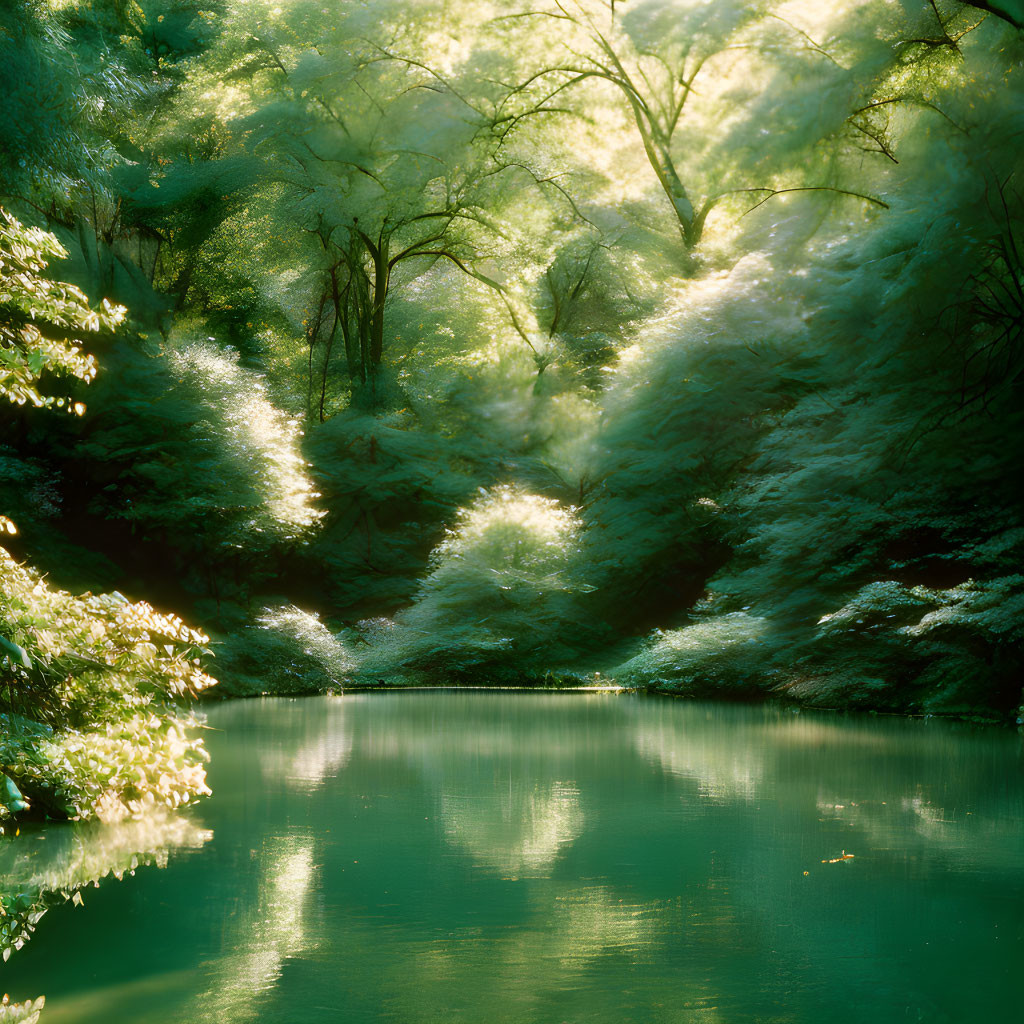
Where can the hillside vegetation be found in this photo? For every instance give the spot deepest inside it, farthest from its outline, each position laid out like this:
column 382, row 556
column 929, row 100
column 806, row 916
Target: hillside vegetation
column 671, row 343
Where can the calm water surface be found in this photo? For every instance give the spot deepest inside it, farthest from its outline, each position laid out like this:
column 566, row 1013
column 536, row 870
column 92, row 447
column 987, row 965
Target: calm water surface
column 483, row 857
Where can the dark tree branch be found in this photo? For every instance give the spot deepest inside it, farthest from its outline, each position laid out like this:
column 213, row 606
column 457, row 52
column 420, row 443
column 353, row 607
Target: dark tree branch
column 773, row 192
column 998, row 11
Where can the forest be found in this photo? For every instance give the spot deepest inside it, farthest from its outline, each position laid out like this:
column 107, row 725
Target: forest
column 660, row 344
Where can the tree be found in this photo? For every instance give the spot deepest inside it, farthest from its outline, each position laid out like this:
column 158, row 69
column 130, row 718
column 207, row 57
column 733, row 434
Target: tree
column 86, row 86
column 509, row 561
column 652, row 57
column 386, row 165
column 74, row 77
column 383, row 193
column 40, row 318
column 88, row 685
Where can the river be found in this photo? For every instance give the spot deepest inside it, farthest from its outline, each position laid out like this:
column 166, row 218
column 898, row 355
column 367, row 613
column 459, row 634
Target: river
column 454, row 856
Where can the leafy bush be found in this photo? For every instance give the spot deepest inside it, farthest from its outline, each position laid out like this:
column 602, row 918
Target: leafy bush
column 90, row 685
column 717, row 655
column 21, row 1013
column 286, row 650
column 499, row 600
column 39, row 318
column 99, row 680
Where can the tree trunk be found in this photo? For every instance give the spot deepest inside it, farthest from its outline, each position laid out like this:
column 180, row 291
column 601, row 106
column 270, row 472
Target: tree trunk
column 677, row 196
column 327, row 363
column 381, row 282
column 656, row 146
column 363, row 316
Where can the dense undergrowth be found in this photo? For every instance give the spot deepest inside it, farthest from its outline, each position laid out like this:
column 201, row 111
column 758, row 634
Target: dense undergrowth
column 667, row 343
column 90, row 719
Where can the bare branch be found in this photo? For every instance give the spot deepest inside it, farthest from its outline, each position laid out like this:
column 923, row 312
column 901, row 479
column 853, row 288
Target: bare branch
column 490, row 282
column 816, row 47
column 804, row 188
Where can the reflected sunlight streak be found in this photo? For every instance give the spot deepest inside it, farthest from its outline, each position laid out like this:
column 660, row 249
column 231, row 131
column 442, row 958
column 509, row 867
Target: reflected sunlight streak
column 268, row 935
column 518, row 835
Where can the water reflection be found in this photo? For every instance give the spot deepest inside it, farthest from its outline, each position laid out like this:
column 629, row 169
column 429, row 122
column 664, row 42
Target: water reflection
column 723, row 772
column 322, row 751
column 264, row 937
column 574, row 929
column 47, row 866
column 414, row 858
column 516, row 834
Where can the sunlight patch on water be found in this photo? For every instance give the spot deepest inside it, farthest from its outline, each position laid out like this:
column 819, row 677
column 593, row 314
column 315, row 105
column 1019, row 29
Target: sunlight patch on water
column 265, row 937
column 520, row 834
column 591, row 920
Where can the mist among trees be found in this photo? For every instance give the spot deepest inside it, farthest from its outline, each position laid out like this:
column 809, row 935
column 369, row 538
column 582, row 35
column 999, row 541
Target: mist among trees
column 668, row 343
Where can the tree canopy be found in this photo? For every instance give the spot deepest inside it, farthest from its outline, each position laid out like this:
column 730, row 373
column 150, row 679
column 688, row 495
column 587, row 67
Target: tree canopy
column 668, row 340
column 88, row 700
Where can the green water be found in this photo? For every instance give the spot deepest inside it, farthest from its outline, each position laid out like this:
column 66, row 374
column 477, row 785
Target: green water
column 485, row 857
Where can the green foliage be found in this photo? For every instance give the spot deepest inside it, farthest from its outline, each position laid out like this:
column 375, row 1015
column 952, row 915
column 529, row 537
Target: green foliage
column 684, row 407
column 285, row 650
column 89, row 686
column 498, row 598
column 40, row 318
column 696, row 327
column 717, row 655
column 104, row 678
column 390, row 484
column 21, row 1013
column 187, row 454
column 67, row 78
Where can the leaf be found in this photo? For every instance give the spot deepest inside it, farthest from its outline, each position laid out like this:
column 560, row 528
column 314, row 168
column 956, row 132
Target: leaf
column 15, row 652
